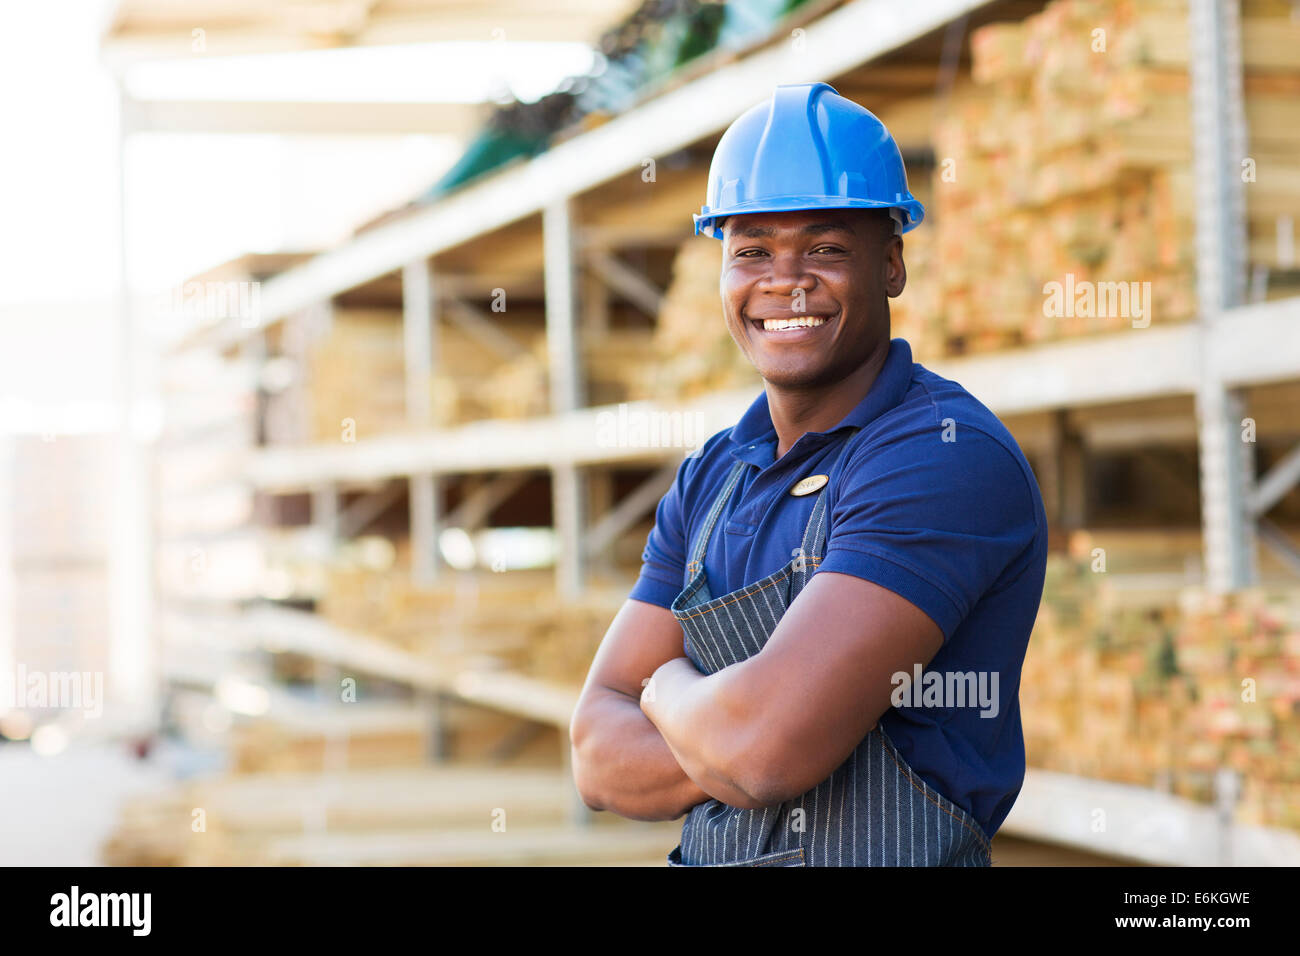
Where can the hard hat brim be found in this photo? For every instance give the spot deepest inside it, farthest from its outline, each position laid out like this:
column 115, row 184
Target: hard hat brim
column 706, row 217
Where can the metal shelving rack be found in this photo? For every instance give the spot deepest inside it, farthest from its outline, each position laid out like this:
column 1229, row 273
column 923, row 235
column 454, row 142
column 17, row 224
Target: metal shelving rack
column 1230, row 347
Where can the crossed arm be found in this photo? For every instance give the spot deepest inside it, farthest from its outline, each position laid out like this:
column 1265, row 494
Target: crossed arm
column 755, row 733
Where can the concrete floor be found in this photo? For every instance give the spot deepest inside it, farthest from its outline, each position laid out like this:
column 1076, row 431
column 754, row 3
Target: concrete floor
column 57, row 810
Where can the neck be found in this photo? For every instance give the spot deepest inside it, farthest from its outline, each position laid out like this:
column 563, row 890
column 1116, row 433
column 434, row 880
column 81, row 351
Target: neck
column 797, row 411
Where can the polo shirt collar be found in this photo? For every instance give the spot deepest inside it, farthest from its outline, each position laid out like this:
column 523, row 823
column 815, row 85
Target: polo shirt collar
column 754, row 437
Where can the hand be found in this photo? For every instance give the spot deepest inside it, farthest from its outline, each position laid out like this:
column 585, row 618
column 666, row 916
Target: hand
column 666, row 684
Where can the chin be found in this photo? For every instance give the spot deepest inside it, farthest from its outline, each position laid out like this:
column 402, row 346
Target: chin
column 792, row 377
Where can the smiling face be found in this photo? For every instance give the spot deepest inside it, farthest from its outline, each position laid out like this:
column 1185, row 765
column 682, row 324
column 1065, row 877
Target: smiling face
column 830, row 270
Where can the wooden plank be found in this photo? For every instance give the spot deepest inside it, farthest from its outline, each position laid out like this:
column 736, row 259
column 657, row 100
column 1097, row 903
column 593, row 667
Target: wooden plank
column 1140, row 824
column 300, row 632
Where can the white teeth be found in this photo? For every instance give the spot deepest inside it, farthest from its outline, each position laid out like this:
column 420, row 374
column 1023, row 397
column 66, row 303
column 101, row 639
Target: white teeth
column 797, row 322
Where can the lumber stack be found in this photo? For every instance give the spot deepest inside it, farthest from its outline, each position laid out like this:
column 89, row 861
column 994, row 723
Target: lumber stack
column 355, row 735
column 912, row 315
column 356, row 374
column 565, row 641
column 424, row 816
column 612, row 370
column 474, row 619
column 264, row 746
column 1239, row 656
column 1153, row 695
column 1072, row 156
column 693, row 352
column 356, row 371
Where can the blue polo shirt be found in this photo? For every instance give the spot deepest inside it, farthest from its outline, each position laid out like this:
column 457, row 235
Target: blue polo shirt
column 935, row 502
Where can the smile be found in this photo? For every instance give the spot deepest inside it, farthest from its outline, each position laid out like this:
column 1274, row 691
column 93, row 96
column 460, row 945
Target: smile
column 794, row 328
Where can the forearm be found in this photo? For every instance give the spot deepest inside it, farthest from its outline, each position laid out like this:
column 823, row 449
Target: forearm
column 621, row 763
column 711, row 778
column 708, row 730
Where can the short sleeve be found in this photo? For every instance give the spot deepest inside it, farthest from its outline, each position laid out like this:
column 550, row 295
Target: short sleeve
column 936, row 522
column 663, row 561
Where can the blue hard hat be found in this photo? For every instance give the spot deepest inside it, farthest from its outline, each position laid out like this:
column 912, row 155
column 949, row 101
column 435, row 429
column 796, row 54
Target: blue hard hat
column 806, row 147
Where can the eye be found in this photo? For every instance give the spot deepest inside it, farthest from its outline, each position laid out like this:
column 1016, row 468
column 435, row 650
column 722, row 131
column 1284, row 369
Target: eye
column 833, row 250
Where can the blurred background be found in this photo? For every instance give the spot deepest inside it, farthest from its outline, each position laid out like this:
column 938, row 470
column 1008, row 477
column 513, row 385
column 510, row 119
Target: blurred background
column 351, row 344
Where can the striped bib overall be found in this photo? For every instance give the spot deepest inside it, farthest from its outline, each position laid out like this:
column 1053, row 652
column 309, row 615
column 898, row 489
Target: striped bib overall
column 872, row 811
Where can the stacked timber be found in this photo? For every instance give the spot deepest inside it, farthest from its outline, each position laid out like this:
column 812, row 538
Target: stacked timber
column 912, row 315
column 518, row 387
column 351, row 735
column 612, row 370
column 693, row 352
column 356, row 374
column 614, row 365
column 474, row 619
column 1166, row 694
column 416, row 816
column 331, row 742
column 1070, row 161
column 1240, row 657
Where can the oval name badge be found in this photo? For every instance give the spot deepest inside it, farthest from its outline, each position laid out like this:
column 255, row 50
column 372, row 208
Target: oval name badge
column 807, row 486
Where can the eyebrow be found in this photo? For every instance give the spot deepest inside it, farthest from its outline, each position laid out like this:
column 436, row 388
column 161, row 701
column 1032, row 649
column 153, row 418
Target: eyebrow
column 812, row 229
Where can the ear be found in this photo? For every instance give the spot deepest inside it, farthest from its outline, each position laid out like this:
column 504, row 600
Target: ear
column 895, row 269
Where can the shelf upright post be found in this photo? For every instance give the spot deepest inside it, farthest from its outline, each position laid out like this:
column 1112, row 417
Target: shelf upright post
column 325, row 512
column 559, row 276
column 419, row 348
column 594, row 305
column 419, row 353
column 1219, row 131
column 566, row 387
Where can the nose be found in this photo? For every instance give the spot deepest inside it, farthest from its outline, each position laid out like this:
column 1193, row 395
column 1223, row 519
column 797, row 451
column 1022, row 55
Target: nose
column 785, row 275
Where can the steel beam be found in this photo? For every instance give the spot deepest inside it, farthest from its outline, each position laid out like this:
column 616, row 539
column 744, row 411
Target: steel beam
column 1273, row 486
column 366, row 509
column 474, row 510
column 482, row 328
column 626, row 281
column 1218, row 124
column 628, row 511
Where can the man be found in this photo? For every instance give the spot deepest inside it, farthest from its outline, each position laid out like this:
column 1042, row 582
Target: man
column 866, row 523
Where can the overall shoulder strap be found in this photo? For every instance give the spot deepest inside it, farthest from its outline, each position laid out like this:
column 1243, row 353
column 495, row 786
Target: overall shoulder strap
column 702, row 539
